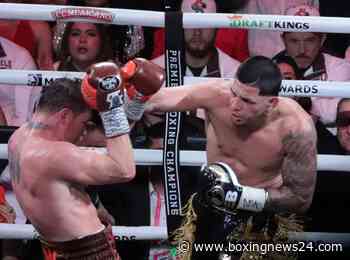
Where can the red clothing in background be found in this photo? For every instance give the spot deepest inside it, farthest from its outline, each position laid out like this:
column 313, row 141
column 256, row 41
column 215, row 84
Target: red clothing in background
column 25, row 37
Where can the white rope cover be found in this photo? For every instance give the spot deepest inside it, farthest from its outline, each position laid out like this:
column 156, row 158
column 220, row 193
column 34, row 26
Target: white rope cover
column 25, row 231
column 198, row 158
column 190, row 20
column 35, row 77
column 74, row 13
column 308, row 88
column 145, row 156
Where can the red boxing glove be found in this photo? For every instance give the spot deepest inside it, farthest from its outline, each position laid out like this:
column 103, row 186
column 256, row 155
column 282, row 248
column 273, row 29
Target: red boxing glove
column 144, row 78
column 102, row 85
column 102, row 89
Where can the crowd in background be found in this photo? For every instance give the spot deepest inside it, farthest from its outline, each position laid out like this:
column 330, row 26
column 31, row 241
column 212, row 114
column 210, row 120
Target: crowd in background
column 75, row 46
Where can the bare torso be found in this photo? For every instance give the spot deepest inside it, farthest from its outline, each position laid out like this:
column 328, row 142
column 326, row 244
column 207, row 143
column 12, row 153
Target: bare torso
column 59, row 210
column 257, row 157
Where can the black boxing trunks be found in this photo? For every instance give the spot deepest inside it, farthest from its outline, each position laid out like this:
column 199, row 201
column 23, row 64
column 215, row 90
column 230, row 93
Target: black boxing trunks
column 92, row 247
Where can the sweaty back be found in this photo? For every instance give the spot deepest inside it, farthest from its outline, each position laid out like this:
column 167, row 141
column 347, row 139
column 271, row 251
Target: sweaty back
column 262, row 73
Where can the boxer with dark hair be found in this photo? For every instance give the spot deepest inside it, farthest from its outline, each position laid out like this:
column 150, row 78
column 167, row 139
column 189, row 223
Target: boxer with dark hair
column 49, row 172
column 266, row 143
column 260, row 73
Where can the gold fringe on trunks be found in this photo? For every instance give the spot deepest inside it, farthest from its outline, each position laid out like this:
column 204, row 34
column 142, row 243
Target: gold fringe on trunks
column 186, row 233
column 274, row 231
column 284, row 224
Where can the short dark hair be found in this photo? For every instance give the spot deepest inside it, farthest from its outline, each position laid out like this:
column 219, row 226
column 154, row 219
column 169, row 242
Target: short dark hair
column 262, row 73
column 62, row 93
column 283, row 58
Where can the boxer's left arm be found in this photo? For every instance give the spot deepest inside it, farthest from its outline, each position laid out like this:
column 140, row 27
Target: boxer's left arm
column 143, row 79
column 298, row 170
column 206, row 95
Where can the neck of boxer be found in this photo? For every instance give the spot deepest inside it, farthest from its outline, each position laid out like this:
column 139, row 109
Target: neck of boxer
column 44, row 125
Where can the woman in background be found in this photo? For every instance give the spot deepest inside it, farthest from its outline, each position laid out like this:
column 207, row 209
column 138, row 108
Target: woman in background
column 83, row 44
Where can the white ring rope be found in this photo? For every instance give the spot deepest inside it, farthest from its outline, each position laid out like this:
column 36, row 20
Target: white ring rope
column 190, row 20
column 198, row 158
column 26, row 231
column 74, row 13
column 307, row 88
column 35, row 77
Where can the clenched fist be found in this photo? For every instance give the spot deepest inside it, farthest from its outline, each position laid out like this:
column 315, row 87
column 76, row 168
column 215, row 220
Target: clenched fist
column 102, row 89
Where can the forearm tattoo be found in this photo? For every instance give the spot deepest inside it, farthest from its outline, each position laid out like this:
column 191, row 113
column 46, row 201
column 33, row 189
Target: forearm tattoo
column 298, row 172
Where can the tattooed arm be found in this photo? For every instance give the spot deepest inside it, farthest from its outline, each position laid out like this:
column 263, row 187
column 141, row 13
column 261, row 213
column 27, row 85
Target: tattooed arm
column 14, row 165
column 298, row 171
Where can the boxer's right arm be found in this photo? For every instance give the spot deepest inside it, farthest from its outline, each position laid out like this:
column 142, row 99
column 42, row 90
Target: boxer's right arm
column 103, row 91
column 298, row 170
column 90, row 167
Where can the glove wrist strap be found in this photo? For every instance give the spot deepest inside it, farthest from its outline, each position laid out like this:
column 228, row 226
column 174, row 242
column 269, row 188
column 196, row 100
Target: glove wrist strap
column 115, row 122
column 134, row 109
column 252, row 199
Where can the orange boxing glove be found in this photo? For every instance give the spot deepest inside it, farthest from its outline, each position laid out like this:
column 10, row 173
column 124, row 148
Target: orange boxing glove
column 143, row 79
column 102, row 89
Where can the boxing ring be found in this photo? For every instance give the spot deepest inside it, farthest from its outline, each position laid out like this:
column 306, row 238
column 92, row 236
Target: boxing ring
column 190, row 20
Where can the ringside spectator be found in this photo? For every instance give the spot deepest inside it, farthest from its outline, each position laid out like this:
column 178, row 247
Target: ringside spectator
column 306, row 49
column 83, row 44
column 265, row 42
column 202, row 58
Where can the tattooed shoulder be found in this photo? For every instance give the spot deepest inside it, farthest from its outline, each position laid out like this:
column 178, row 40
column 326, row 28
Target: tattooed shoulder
column 300, row 148
column 36, row 125
column 15, row 169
